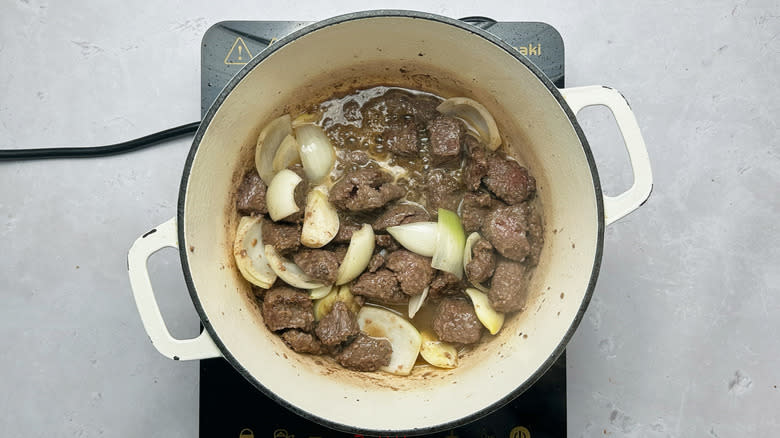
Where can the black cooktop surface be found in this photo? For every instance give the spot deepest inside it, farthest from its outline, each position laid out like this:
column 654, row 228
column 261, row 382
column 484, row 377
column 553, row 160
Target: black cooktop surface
column 230, row 406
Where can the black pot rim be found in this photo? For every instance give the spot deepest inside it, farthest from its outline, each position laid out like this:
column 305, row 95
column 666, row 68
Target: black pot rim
column 404, row 14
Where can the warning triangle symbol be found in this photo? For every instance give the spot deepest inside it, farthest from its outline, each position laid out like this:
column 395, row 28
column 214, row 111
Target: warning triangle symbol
column 239, row 54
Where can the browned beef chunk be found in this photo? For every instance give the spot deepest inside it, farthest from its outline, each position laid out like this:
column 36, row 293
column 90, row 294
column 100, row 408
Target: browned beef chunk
column 515, row 231
column 476, row 165
column 339, row 325
column 250, row 198
column 365, row 353
column 508, row 290
column 376, row 262
column 413, row 271
column 508, row 180
column 476, row 207
column 401, row 214
column 286, row 238
column 381, row 287
column 445, row 284
column 386, row 241
column 303, row 342
column 445, row 134
column 347, row 226
column 285, row 307
column 318, row 263
column 483, row 262
column 401, row 139
column 364, row 189
column 455, row 321
column 442, row 191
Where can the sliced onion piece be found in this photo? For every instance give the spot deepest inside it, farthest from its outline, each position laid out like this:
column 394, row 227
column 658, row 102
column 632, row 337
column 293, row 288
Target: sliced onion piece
column 467, row 256
column 321, row 292
column 249, row 252
column 305, row 119
column 280, row 196
column 316, row 151
column 320, row 221
column 450, row 241
column 416, row 302
column 476, row 116
column 289, row 272
column 287, row 154
column 403, row 337
column 268, row 142
column 486, row 314
column 437, row 353
column 417, row 237
column 361, row 247
column 342, row 293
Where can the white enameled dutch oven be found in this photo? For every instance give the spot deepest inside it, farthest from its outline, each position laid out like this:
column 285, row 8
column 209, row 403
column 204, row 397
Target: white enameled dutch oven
column 416, row 50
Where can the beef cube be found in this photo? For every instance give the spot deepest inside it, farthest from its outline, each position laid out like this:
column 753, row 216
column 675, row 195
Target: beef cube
column 250, row 198
column 347, row 226
column 445, row 284
column 401, row 214
column 508, row 180
column 401, row 139
column 508, row 290
column 515, row 231
column 320, row 264
column 476, row 165
column 365, row 353
column 455, row 321
column 381, row 287
column 445, row 134
column 376, row 262
column 285, row 238
column 482, row 263
column 339, row 325
column 476, row 207
column 364, row 190
column 285, row 307
column 387, row 242
column 442, row 191
column 413, row 271
column 303, row 342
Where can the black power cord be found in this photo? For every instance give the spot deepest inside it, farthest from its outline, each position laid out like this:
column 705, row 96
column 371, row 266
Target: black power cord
column 98, row 151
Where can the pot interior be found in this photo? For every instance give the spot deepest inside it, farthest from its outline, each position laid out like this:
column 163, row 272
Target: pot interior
column 434, row 56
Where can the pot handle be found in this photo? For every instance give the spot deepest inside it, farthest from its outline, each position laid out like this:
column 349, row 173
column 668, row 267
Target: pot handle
column 616, row 207
column 201, row 347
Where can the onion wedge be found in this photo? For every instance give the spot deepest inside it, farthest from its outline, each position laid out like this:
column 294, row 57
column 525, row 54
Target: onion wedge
column 416, row 302
column 320, row 221
column 287, row 154
column 249, row 252
column 289, row 272
column 417, row 237
column 268, row 142
column 488, row 316
column 361, row 247
column 280, row 196
column 321, row 292
column 403, row 337
column 467, row 256
column 316, row 151
column 342, row 293
column 476, row 116
column 450, row 241
column 437, row 353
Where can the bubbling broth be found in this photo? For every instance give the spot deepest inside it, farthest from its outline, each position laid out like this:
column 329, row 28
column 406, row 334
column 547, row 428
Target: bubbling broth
column 387, row 227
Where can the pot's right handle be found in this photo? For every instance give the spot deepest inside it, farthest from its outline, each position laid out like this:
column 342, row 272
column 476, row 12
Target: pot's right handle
column 201, row 347
column 615, row 207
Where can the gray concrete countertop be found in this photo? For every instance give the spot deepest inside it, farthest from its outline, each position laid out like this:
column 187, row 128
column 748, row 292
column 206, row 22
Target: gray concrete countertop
column 681, row 338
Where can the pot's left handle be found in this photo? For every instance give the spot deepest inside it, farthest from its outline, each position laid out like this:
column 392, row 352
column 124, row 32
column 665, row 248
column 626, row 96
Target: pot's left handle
column 201, row 347
column 615, row 207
